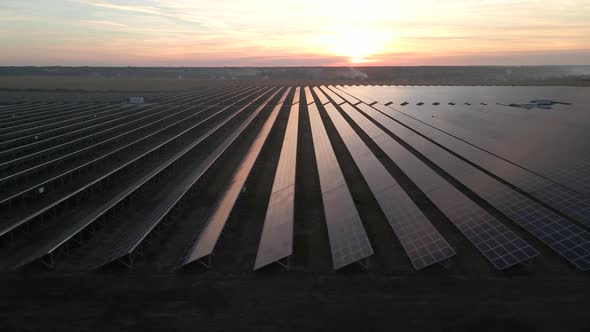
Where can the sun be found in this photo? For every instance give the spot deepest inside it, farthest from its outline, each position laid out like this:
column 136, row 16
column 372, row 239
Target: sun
column 357, row 44
column 357, row 61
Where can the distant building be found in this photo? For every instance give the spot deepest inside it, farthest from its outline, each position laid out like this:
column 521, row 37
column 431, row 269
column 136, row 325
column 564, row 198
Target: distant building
column 528, row 106
column 543, row 101
column 135, row 100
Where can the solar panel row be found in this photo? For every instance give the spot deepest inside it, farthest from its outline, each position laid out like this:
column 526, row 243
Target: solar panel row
column 76, row 113
column 568, row 240
column 308, row 95
column 359, row 97
column 559, row 197
column 499, row 129
column 55, row 136
column 27, row 215
column 276, row 240
column 134, row 150
column 207, row 238
column 495, row 241
column 34, row 116
column 62, row 143
column 322, row 98
column 127, row 241
column 19, row 155
column 335, row 98
column 348, row 97
column 422, row 242
column 20, row 188
column 348, row 241
column 58, row 111
column 53, row 239
column 18, row 137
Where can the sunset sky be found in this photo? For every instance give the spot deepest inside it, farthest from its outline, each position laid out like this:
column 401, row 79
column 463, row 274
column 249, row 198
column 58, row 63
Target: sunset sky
column 293, row 33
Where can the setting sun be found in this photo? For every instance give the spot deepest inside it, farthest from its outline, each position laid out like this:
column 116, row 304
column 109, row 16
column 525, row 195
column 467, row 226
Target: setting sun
column 356, row 44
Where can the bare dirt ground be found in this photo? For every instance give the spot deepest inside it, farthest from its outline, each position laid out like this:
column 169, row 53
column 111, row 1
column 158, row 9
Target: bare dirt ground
column 74, row 83
column 145, row 80
column 297, row 302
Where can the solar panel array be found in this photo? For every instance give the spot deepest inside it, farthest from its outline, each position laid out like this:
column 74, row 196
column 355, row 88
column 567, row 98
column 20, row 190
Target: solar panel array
column 495, row 241
column 89, row 180
column 567, row 239
column 207, row 237
column 422, row 242
column 555, row 195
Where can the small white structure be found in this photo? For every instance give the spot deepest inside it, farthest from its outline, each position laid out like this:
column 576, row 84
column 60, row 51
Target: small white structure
column 135, row 100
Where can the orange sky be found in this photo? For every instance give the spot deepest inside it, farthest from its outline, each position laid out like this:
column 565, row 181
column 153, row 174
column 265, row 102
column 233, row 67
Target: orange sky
column 293, row 33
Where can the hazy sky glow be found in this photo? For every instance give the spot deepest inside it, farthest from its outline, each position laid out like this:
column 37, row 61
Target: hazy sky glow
column 293, row 33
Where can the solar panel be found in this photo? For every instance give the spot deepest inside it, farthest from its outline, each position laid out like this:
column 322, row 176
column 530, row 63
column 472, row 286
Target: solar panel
column 67, row 137
column 575, row 175
column 348, row 241
column 296, row 97
column 20, row 158
column 344, row 94
column 43, row 111
column 422, row 242
column 572, row 204
column 360, row 97
column 64, row 232
column 61, row 115
column 27, row 186
column 559, row 197
column 132, row 237
column 38, row 115
column 27, row 215
column 208, row 237
column 336, row 98
column 322, row 97
column 276, row 241
column 501, row 130
column 568, row 240
column 308, row 96
column 492, row 239
column 27, row 134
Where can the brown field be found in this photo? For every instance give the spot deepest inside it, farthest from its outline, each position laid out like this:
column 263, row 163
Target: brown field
column 81, row 83
column 101, row 84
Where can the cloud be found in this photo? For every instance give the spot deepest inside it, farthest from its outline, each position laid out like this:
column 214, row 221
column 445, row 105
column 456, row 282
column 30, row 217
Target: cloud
column 161, row 11
column 259, row 32
column 136, row 9
column 97, row 22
